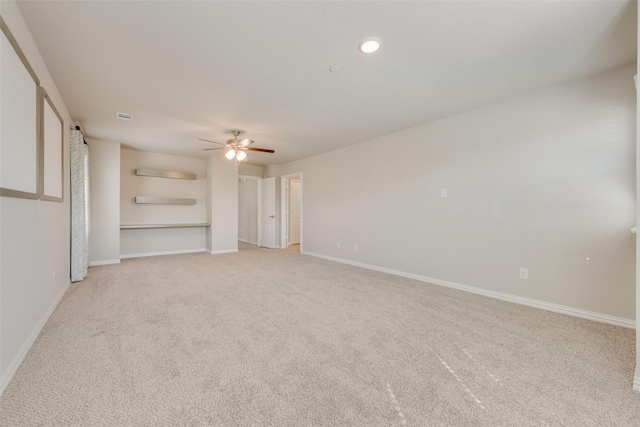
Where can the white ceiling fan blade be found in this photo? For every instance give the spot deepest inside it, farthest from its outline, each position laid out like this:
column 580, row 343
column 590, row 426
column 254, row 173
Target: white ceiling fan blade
column 246, row 142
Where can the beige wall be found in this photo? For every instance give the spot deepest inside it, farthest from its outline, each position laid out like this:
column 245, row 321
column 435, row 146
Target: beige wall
column 34, row 237
column 160, row 241
column 250, row 170
column 222, row 205
column 542, row 182
column 104, row 202
column 215, row 189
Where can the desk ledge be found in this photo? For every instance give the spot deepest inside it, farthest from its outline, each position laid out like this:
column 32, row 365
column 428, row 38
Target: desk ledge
column 138, row 226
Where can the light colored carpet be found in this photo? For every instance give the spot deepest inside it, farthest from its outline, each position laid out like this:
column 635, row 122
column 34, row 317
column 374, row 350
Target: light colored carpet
column 275, row 338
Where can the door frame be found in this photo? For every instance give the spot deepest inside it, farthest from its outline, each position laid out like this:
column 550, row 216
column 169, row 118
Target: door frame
column 284, row 209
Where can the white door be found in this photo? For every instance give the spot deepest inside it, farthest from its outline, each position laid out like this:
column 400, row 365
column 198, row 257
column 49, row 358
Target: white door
column 294, row 213
column 267, row 212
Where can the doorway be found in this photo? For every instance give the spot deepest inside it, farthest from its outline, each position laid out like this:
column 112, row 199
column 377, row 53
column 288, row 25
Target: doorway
column 291, row 209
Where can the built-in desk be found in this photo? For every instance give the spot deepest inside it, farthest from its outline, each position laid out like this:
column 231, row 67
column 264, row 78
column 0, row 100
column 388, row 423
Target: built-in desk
column 140, row 226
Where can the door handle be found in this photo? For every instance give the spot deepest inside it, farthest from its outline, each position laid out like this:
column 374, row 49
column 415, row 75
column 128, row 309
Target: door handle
column 272, row 216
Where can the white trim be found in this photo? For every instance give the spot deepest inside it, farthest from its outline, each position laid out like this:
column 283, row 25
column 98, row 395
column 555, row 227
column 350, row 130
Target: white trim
column 224, row 251
column 17, row 361
column 247, row 241
column 105, row 262
column 184, row 251
column 636, row 384
column 557, row 308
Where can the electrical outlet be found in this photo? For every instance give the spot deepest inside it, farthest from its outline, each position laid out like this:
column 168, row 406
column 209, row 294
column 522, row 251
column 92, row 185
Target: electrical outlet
column 443, row 192
column 355, row 248
column 338, row 245
column 524, row 273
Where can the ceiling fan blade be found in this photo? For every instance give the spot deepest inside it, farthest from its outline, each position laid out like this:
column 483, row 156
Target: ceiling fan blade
column 215, row 142
column 264, row 150
column 209, row 149
column 246, row 142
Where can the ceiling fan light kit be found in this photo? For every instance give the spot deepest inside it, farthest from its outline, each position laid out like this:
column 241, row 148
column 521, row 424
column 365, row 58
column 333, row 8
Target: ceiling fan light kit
column 236, row 153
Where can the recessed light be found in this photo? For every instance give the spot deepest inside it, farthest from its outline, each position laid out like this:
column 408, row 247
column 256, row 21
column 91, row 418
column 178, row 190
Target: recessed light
column 369, row 45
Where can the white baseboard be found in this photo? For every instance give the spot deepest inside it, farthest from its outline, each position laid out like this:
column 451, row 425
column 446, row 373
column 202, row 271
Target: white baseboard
column 636, row 383
column 105, row 262
column 248, row 241
column 224, row 251
column 562, row 309
column 7, row 376
column 184, row 251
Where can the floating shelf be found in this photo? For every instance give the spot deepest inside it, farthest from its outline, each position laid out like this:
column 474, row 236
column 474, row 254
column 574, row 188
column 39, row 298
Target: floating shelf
column 164, row 201
column 139, row 226
column 166, row 174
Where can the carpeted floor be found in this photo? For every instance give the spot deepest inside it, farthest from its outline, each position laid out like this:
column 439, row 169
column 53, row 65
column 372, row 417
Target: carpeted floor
column 275, row 338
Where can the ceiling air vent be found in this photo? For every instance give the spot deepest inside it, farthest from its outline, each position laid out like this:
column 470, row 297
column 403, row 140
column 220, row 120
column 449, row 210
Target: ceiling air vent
column 123, row 116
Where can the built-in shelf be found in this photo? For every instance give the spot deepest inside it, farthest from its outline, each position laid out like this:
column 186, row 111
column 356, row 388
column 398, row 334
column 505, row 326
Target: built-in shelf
column 166, row 174
column 164, row 201
column 138, row 226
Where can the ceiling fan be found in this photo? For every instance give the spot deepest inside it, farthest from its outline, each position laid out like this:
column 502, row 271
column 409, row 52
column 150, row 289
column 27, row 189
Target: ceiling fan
column 237, row 149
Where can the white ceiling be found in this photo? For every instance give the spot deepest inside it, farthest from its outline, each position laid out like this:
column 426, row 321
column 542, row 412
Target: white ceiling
column 188, row 70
